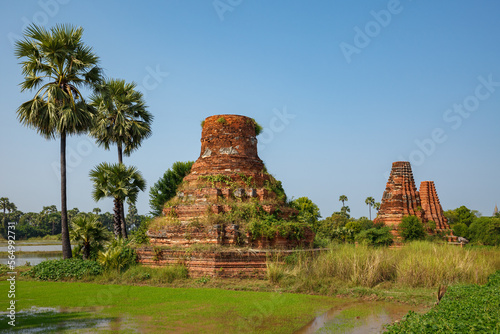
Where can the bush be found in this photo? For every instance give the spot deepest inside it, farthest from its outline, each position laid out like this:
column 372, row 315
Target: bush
column 118, row 256
column 376, row 236
column 461, row 230
column 411, row 228
column 463, row 309
column 62, row 269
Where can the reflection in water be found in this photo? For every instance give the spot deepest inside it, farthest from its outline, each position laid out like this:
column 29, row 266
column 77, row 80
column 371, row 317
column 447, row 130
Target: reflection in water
column 357, row 318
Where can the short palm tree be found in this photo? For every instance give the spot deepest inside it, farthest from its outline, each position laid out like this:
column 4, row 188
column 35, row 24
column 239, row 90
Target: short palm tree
column 57, row 64
column 376, row 206
column 120, row 183
column 370, row 201
column 122, row 117
column 89, row 233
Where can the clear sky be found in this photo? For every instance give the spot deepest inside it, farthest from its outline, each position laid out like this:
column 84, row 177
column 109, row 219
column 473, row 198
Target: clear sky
column 343, row 88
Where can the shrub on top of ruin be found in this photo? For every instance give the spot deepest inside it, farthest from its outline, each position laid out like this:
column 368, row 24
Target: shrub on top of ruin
column 411, row 228
column 222, row 120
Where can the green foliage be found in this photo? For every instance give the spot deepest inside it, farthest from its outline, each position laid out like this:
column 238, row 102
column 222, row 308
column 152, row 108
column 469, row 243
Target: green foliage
column 276, row 187
column 460, row 215
column 258, row 127
column 308, row 211
column 411, row 228
column 463, row 309
column 331, row 227
column 64, row 269
column 461, row 230
column 122, row 117
column 485, row 231
column 222, row 120
column 202, row 124
column 376, row 236
column 166, row 187
column 118, row 256
column 217, row 178
column 89, row 235
column 139, row 236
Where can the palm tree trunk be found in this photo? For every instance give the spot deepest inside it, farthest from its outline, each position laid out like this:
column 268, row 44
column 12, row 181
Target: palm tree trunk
column 86, row 251
column 122, row 210
column 370, row 209
column 120, row 154
column 116, row 218
column 123, row 222
column 66, row 245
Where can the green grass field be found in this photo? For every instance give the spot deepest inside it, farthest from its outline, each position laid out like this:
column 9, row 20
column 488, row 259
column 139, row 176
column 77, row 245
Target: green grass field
column 157, row 309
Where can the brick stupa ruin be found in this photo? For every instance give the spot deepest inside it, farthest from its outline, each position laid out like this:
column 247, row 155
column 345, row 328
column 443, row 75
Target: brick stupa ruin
column 401, row 198
column 227, row 173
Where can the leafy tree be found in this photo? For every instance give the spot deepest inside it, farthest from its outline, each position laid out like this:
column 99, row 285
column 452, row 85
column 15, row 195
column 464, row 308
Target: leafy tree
column 485, row 231
column 133, row 219
column 308, row 211
column 411, row 228
column 345, row 210
column 96, row 211
column 461, row 230
column 370, row 201
column 89, row 234
column 166, row 187
column 57, row 64
column 120, row 183
column 333, row 227
column 460, row 215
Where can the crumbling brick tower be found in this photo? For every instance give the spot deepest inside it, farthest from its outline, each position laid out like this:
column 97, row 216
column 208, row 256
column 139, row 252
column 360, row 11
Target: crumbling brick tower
column 400, row 197
column 431, row 205
column 227, row 174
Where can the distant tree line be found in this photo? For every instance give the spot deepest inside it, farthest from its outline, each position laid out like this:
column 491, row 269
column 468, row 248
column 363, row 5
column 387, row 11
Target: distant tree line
column 48, row 221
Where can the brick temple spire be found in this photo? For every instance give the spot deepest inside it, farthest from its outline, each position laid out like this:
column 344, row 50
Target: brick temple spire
column 400, row 197
column 431, row 205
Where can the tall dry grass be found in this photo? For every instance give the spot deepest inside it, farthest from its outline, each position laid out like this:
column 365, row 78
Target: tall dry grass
column 418, row 264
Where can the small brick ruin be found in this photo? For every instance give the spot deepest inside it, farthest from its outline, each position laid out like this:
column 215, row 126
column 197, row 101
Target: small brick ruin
column 227, row 174
column 401, row 198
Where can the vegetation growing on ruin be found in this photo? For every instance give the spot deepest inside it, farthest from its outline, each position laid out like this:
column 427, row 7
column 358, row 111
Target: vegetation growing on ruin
column 221, row 120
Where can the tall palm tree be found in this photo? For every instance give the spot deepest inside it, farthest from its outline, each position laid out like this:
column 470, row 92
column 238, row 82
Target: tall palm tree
column 118, row 182
column 89, row 233
column 122, row 117
column 370, row 201
column 57, row 64
column 343, row 198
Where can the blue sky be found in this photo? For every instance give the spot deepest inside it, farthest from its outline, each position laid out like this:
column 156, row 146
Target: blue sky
column 343, row 89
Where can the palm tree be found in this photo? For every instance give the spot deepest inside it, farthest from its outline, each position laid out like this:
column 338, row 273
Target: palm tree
column 89, row 233
column 343, row 198
column 376, row 206
column 370, row 201
column 6, row 205
column 118, row 182
column 57, row 65
column 122, row 117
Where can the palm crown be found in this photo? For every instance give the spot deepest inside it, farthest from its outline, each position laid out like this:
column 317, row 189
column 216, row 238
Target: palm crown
column 58, row 64
column 122, row 117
